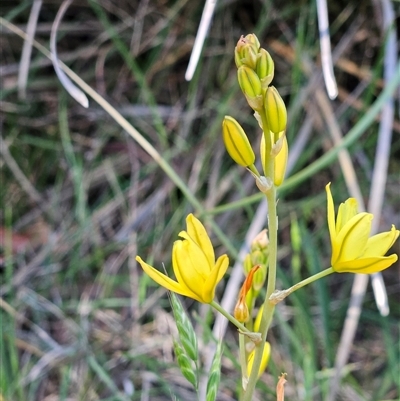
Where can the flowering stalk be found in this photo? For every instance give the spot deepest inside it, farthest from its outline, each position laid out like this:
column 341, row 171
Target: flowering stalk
column 269, row 308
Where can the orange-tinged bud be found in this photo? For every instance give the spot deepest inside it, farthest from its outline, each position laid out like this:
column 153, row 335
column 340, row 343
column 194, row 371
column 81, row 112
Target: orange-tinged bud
column 260, row 241
column 246, row 51
column 248, row 281
column 241, row 311
column 236, row 142
column 275, row 110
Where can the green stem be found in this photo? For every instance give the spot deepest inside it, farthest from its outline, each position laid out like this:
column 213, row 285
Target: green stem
column 278, row 296
column 239, row 325
column 273, row 249
column 242, row 358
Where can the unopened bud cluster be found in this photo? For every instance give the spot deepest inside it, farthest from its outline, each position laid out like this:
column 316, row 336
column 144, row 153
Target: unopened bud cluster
column 255, row 74
column 258, row 255
column 255, row 268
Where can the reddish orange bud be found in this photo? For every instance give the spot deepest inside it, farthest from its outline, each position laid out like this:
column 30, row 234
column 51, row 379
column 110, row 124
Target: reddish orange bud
column 241, row 311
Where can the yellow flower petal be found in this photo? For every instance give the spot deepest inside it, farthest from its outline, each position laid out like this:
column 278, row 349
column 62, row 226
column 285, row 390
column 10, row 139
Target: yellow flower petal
column 199, row 235
column 214, row 278
column 379, row 244
column 353, row 238
column 366, row 265
column 165, row 281
column 184, row 271
column 198, row 259
column 331, row 213
column 346, row 212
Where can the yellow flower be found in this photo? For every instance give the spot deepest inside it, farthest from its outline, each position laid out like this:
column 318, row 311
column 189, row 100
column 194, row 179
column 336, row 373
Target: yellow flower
column 194, row 264
column 264, row 361
column 353, row 251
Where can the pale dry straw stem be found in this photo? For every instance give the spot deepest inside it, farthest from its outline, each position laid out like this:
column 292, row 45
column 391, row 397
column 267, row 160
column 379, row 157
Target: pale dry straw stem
column 27, row 49
column 325, row 46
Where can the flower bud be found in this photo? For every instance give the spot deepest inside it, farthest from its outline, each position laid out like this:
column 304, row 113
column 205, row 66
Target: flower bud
column 280, row 160
column 265, row 68
column 253, row 40
column 251, row 87
column 280, row 163
column 236, row 142
column 260, row 277
column 260, row 241
column 241, row 311
column 275, row 110
column 257, row 257
column 247, row 264
column 246, row 51
column 264, row 361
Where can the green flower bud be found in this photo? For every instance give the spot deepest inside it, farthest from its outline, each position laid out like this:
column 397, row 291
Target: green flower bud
column 259, row 278
column 265, row 68
column 247, row 264
column 252, row 38
column 249, row 57
column 236, row 142
column 275, row 110
column 258, row 257
column 251, row 87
